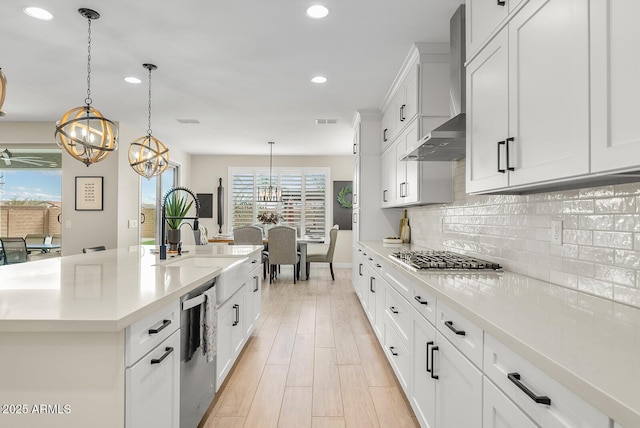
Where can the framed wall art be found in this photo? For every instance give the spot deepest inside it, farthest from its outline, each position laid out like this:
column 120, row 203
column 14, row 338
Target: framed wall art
column 89, row 193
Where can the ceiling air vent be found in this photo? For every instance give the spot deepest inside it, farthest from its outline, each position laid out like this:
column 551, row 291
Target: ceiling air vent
column 326, row 121
column 188, row 120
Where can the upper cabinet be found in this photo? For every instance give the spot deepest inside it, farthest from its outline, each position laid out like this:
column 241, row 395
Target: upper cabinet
column 528, row 93
column 551, row 93
column 421, row 88
column 484, row 18
column 615, row 87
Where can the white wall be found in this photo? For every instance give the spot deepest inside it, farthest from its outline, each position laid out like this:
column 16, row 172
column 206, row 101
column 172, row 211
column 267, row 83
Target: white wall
column 207, row 170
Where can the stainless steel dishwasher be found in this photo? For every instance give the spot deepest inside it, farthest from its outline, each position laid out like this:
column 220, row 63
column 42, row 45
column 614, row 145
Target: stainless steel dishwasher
column 197, row 375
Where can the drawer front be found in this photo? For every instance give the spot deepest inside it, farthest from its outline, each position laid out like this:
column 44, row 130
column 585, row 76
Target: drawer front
column 397, row 281
column 147, row 333
column 424, row 302
column 398, row 313
column 565, row 409
column 398, row 356
column 498, row 411
column 464, row 335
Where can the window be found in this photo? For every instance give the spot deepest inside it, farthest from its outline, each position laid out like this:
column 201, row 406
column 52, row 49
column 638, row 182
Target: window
column 304, row 197
column 152, row 192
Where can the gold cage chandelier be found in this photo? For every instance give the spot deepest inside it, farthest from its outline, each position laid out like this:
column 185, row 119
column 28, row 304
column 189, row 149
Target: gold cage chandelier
column 147, row 155
column 84, row 132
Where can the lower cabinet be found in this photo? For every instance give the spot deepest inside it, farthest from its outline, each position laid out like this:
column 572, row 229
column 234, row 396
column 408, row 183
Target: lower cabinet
column 500, row 412
column 253, row 298
column 423, row 396
column 231, row 334
column 153, row 387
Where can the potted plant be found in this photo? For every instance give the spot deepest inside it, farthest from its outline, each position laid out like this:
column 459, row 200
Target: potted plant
column 176, row 208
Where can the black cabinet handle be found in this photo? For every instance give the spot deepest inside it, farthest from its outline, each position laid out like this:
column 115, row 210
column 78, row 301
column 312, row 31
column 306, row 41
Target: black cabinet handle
column 500, row 143
column 433, row 363
column 427, row 356
column 393, row 310
column 257, row 281
column 384, row 196
column 393, row 352
column 360, row 269
column 402, row 118
column 164, row 325
column 384, row 134
column 419, row 300
column 510, row 168
column 355, row 149
column 378, row 265
column 453, row 329
column 501, row 2
column 237, row 321
column 168, row 350
column 371, row 284
column 541, row 399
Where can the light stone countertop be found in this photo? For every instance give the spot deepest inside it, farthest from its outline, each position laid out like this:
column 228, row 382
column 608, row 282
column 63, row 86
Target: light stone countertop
column 588, row 344
column 105, row 290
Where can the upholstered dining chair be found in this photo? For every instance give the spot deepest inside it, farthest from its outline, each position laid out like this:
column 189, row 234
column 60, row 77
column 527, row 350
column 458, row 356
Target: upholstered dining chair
column 283, row 250
column 247, row 235
column 14, row 250
column 323, row 253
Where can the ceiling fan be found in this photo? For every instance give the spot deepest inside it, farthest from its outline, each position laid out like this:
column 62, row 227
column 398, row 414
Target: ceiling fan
column 8, row 157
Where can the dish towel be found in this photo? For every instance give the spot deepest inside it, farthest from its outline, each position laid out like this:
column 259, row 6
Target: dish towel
column 208, row 324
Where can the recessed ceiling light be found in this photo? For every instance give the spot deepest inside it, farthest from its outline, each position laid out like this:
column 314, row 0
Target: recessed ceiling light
column 319, row 79
column 317, row 11
column 38, row 13
column 132, row 80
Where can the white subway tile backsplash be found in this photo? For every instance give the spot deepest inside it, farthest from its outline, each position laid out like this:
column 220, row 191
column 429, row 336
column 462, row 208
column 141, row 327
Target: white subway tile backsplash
column 600, row 254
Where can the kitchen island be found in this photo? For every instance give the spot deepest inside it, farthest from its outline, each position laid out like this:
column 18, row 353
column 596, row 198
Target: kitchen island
column 63, row 322
column 589, row 345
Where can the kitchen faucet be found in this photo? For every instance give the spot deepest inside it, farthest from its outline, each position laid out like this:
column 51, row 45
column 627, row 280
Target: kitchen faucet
column 163, row 245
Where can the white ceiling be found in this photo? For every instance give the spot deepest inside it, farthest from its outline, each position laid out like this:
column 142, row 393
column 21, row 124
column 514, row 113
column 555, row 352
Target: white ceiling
column 240, row 67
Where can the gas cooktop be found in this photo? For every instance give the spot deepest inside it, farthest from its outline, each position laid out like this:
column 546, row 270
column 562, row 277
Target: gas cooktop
column 442, row 260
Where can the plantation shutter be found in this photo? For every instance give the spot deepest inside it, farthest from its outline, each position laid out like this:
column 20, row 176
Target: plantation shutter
column 242, row 199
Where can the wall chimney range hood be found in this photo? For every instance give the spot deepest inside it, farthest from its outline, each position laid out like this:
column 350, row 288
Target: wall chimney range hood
column 447, row 142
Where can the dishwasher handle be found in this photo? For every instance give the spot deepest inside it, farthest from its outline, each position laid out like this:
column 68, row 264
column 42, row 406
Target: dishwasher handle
column 193, row 302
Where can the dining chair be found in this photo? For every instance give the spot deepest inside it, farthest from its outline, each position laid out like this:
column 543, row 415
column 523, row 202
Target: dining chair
column 323, row 253
column 282, row 250
column 94, row 249
column 14, row 250
column 56, row 238
column 35, row 238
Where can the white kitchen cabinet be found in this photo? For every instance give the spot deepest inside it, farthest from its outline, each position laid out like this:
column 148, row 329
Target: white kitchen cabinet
column 423, row 394
column 421, row 88
column 500, row 412
column 153, row 387
column 462, row 333
column 544, row 400
column 230, row 320
column 358, row 271
column 388, row 173
column 459, row 387
column 547, row 120
column 418, row 183
column 397, row 354
column 615, row 87
column 484, row 17
column 377, row 223
column 253, row 295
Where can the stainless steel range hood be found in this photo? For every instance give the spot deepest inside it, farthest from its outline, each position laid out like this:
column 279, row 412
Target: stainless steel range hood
column 447, row 142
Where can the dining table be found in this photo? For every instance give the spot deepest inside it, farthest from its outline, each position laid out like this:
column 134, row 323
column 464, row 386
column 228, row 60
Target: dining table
column 45, row 248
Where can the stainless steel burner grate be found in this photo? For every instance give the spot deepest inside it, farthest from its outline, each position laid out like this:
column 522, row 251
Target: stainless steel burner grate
column 444, row 260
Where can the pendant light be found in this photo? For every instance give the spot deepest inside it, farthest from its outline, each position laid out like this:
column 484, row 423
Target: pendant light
column 84, row 132
column 3, row 91
column 270, row 193
column 147, row 155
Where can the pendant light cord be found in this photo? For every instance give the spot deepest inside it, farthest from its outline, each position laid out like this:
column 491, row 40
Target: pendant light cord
column 149, row 124
column 88, row 100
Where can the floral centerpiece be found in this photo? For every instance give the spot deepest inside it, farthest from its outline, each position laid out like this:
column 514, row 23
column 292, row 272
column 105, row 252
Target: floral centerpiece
column 269, row 217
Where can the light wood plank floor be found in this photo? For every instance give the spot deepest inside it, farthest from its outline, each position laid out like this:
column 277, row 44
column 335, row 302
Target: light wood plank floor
column 313, row 361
